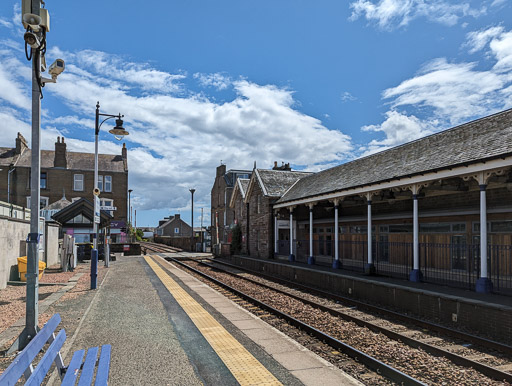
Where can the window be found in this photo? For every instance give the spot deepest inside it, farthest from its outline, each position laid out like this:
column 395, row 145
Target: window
column 259, row 204
column 501, row 226
column 78, row 182
column 100, row 183
column 443, row 228
column 176, row 230
column 459, row 252
column 43, row 202
column 43, row 183
column 108, row 183
column 107, row 202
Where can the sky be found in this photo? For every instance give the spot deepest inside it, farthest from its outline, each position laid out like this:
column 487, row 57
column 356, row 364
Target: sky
column 315, row 84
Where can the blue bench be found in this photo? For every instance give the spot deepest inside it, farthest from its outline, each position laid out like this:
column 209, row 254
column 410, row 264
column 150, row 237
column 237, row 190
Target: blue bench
column 78, row 368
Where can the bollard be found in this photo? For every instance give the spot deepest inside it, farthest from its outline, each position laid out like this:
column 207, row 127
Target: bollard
column 94, row 268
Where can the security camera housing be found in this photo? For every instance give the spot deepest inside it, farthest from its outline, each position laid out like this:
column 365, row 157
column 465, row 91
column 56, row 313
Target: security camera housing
column 56, row 68
column 32, row 40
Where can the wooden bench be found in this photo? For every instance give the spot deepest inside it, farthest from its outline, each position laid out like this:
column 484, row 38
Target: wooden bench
column 78, row 368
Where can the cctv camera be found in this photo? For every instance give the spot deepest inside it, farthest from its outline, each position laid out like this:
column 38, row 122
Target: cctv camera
column 56, row 68
column 32, row 39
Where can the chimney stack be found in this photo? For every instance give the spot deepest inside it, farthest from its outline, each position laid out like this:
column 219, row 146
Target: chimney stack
column 221, row 170
column 124, row 152
column 21, row 144
column 60, row 160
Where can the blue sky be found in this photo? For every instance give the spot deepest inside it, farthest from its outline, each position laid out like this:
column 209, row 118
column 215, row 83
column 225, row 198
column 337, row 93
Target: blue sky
column 315, row 84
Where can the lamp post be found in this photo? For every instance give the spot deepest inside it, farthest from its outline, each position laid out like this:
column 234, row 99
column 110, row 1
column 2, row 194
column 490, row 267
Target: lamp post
column 118, row 130
column 129, row 215
column 192, row 238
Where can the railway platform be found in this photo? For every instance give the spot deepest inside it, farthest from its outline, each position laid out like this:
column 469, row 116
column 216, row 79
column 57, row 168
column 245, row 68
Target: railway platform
column 485, row 314
column 168, row 328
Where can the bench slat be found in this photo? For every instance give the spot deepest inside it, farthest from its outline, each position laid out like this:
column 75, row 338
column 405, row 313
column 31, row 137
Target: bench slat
column 47, row 360
column 73, row 368
column 16, row 369
column 88, row 368
column 103, row 366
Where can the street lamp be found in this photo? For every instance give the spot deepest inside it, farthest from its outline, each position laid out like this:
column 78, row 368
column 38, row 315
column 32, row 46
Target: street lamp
column 192, row 238
column 118, row 131
column 129, row 215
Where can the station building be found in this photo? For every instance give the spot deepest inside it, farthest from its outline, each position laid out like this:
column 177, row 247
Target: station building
column 222, row 216
column 438, row 209
column 252, row 201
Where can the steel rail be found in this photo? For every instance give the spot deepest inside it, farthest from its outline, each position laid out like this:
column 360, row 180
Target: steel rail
column 455, row 358
column 474, row 339
column 372, row 363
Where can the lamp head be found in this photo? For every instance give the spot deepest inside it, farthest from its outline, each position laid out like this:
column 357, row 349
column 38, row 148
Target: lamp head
column 119, row 130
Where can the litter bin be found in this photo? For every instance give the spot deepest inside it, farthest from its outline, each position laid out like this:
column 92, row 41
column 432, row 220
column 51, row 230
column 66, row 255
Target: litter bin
column 22, row 268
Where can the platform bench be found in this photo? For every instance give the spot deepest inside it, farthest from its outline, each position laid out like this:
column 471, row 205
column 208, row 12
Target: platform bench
column 78, row 368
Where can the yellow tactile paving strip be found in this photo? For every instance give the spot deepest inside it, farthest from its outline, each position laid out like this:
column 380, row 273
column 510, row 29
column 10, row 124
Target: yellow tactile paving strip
column 245, row 368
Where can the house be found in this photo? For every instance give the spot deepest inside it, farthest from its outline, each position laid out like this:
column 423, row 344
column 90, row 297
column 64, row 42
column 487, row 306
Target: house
column 239, row 207
column 222, row 216
column 173, row 226
column 64, row 173
column 264, row 188
column 438, row 209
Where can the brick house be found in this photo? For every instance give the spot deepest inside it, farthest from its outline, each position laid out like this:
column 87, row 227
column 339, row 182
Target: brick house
column 173, row 226
column 265, row 187
column 237, row 203
column 222, row 216
column 64, row 173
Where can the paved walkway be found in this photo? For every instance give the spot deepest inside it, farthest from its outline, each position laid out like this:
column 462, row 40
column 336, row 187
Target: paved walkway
column 150, row 311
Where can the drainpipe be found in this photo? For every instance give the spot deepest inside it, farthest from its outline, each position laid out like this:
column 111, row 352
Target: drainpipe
column 11, row 169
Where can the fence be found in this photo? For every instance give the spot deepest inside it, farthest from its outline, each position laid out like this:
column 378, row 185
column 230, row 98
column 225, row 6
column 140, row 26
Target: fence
column 456, row 265
column 14, row 211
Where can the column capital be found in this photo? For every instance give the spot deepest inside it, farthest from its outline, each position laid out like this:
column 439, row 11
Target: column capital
column 337, row 201
column 369, row 195
column 483, row 177
column 291, row 208
column 415, row 188
column 311, row 205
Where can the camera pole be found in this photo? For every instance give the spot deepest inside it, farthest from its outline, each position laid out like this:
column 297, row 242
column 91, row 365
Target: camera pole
column 32, row 299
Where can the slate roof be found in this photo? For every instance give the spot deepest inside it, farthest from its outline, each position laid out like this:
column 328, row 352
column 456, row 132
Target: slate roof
column 482, row 139
column 58, row 205
column 277, row 182
column 75, row 160
column 243, row 185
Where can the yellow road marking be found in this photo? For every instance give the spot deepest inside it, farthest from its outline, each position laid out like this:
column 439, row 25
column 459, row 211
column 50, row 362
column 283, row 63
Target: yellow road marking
column 245, row 368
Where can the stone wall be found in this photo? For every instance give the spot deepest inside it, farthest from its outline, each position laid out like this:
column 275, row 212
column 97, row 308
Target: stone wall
column 13, row 235
column 260, row 224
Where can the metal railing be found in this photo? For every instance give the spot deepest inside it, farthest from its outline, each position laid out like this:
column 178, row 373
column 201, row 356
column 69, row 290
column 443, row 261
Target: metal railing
column 14, row 211
column 456, row 265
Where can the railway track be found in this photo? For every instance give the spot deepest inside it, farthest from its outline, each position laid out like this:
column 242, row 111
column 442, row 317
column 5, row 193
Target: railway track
column 479, row 356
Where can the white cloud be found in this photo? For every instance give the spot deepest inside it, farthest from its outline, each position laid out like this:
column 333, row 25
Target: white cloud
column 449, row 93
column 216, row 80
column 476, row 40
column 12, row 74
column 497, row 3
column 347, row 97
column 177, row 140
column 453, row 90
column 5, row 23
column 398, row 128
column 390, row 14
